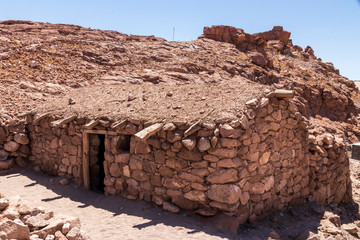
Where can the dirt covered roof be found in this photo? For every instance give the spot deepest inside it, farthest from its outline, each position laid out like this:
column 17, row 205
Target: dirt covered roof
column 186, row 102
column 66, row 68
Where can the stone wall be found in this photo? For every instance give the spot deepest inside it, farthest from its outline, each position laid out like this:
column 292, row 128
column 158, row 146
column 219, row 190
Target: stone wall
column 57, row 151
column 247, row 168
column 13, row 146
column 329, row 169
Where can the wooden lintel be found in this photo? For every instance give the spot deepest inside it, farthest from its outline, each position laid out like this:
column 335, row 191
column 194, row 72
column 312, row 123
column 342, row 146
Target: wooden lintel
column 38, row 118
column 91, row 124
column 193, row 128
column 283, row 93
column 149, row 131
column 63, row 121
column 93, row 131
column 119, row 124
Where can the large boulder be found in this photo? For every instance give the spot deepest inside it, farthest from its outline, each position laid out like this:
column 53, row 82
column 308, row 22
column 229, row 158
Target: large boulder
column 228, row 193
column 15, row 229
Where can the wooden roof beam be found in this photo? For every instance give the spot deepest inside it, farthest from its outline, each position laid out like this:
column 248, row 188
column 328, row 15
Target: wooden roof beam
column 149, row 131
column 62, row 121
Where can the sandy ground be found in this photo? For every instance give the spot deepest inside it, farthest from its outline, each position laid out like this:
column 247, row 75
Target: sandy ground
column 117, row 218
column 105, row 217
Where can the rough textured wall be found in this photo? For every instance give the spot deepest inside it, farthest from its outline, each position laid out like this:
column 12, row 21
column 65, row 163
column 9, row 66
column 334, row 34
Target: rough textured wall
column 13, row 146
column 329, row 169
column 247, row 168
column 263, row 161
column 57, row 151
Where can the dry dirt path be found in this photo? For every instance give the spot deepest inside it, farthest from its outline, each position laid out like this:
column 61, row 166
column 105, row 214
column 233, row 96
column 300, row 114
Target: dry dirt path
column 105, row 217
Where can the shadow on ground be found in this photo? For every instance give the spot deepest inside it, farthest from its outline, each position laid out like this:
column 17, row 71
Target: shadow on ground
column 296, row 223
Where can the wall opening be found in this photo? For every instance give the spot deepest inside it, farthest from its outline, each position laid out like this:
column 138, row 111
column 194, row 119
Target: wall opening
column 123, row 143
column 96, row 162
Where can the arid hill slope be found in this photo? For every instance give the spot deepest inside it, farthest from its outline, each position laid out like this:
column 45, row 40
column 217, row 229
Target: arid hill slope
column 43, row 65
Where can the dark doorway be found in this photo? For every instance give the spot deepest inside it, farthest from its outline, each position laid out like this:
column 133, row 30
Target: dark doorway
column 96, row 165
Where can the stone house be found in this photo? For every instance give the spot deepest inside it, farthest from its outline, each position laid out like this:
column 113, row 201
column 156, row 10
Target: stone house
column 248, row 167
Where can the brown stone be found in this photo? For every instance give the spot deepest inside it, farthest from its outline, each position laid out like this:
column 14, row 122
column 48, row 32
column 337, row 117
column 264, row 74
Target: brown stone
column 155, row 180
column 228, row 193
column 159, row 156
column 230, row 163
column 176, row 164
column 257, row 188
column 227, row 131
column 146, row 187
column 37, row 222
column 199, row 186
column 252, row 156
column 174, row 136
column 119, row 184
column 59, row 236
column 243, row 173
column 201, row 172
column 115, row 170
column 167, row 206
column 141, row 147
column 190, row 155
column 4, row 203
column 21, row 138
column 172, row 183
column 135, row 164
column 11, row 146
column 223, row 152
column 203, row 144
column 169, row 127
column 201, row 164
column 139, row 175
column 122, row 158
column 196, row 196
column 176, row 146
column 165, row 171
column 223, row 176
column 224, row 206
column 244, row 198
column 211, row 158
column 189, row 143
column 126, row 171
column 14, row 229
column 207, row 212
column 184, row 203
column 3, row 155
column 174, row 193
column 264, row 158
column 229, row 143
column 258, row 58
column 190, row 177
column 2, row 135
column 213, row 141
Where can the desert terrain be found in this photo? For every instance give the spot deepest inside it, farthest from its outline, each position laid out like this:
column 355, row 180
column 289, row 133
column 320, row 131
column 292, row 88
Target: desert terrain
column 67, row 69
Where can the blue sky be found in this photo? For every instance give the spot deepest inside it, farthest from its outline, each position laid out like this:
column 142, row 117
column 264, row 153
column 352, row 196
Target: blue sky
column 330, row 27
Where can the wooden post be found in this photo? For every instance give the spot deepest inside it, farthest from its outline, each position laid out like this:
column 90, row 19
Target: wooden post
column 85, row 161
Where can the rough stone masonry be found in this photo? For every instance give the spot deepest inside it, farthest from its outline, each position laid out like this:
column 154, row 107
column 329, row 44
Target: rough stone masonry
column 265, row 160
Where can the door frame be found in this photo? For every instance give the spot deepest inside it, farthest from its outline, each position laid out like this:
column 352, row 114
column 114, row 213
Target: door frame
column 85, row 154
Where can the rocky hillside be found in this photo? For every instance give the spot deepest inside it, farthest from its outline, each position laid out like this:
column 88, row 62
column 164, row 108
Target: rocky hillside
column 43, row 63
